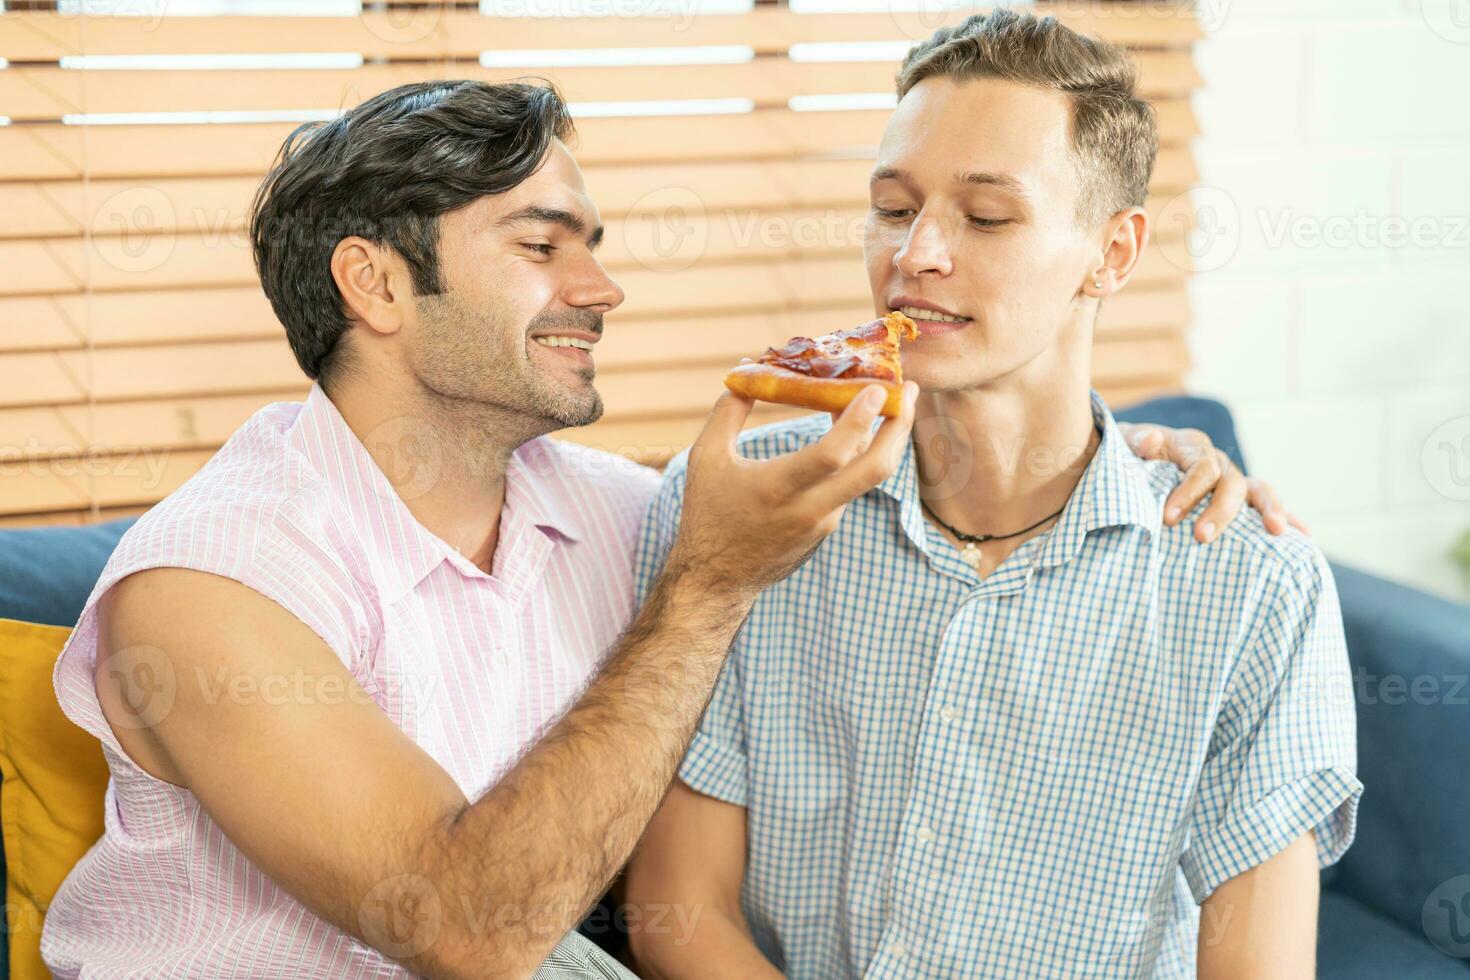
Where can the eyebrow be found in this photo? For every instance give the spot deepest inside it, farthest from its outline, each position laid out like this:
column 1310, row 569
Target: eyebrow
column 980, row 178
column 1004, row 181
column 536, row 213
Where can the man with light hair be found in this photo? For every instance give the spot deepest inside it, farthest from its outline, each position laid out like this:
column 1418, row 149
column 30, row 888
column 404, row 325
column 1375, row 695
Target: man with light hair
column 1008, row 721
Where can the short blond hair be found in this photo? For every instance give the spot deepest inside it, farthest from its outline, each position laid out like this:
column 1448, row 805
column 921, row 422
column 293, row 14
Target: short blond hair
column 1114, row 133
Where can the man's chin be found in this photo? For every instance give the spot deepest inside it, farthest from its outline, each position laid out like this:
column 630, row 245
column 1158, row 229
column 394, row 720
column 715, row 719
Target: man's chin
column 933, row 374
column 924, row 369
column 575, row 412
column 565, row 397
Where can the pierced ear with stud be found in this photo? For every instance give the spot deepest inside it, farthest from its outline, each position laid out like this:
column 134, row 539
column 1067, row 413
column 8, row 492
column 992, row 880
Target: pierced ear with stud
column 1097, row 282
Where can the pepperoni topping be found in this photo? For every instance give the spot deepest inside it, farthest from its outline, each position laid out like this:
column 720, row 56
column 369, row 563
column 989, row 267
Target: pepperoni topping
column 865, row 351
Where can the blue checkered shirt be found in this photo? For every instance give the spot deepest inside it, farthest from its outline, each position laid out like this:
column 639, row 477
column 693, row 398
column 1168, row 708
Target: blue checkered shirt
column 1038, row 774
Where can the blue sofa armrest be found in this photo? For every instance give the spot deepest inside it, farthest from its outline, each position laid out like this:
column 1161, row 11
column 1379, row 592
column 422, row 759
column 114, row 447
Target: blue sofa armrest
column 1410, row 654
column 1413, row 743
column 1355, row 943
column 46, row 575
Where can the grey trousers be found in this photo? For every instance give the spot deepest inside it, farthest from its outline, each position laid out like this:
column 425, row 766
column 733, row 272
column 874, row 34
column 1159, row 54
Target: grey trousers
column 575, row 958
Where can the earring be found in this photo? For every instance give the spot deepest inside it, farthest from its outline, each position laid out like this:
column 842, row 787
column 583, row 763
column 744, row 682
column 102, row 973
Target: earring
column 1097, row 283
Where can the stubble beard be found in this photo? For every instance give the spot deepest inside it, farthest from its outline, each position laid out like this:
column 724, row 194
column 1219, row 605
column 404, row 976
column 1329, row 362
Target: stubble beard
column 473, row 355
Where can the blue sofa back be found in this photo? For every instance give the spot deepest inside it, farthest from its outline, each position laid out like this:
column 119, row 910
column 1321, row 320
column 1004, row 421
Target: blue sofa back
column 1411, row 676
column 1189, row 412
column 47, row 573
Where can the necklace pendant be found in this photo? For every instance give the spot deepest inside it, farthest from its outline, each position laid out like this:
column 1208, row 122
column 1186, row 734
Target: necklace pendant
column 971, row 555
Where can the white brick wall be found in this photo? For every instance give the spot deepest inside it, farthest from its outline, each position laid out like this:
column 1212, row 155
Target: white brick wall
column 1337, row 131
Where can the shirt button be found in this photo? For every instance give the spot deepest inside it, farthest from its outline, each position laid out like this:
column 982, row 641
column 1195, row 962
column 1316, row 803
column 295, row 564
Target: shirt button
column 924, row 834
column 896, row 949
column 948, row 713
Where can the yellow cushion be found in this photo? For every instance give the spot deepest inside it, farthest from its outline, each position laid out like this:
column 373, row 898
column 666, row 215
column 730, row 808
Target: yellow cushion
column 54, row 782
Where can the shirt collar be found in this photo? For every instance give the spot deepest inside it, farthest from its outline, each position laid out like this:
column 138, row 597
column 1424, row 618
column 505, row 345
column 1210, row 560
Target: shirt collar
column 1114, row 491
column 533, row 491
column 903, row 486
column 401, row 550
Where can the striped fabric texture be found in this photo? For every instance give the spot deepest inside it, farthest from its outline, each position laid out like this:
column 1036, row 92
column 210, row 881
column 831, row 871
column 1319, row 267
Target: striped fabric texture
column 472, row 667
column 1038, row 774
column 576, row 958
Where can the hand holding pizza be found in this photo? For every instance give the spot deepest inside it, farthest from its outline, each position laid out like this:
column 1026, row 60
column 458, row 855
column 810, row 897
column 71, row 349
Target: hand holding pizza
column 748, row 523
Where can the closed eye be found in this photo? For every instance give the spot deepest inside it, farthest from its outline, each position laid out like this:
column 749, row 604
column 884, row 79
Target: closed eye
column 987, row 222
column 897, row 214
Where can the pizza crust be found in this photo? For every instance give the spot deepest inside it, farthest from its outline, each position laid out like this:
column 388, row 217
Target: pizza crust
column 768, row 383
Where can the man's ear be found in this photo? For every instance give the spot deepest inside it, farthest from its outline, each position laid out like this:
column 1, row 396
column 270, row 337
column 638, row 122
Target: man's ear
column 1125, row 236
column 374, row 284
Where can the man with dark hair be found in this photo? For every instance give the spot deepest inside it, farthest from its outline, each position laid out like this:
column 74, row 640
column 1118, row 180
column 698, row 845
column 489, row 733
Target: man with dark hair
column 388, row 171
column 373, row 687
column 1007, row 722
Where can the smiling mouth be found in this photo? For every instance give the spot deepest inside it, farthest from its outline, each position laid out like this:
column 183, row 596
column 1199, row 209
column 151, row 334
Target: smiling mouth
column 575, row 352
column 554, row 340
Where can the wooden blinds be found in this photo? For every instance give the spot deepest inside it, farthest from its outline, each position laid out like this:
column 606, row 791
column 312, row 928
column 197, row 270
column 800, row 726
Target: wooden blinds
column 134, row 337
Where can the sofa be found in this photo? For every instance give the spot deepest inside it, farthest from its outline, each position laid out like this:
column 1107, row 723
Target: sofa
column 1397, row 904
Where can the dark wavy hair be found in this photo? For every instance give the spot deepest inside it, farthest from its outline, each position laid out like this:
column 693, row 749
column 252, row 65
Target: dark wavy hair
column 386, row 170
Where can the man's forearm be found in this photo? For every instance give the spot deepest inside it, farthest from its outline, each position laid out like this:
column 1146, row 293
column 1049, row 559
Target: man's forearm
column 1263, row 922
column 719, row 948
column 519, row 868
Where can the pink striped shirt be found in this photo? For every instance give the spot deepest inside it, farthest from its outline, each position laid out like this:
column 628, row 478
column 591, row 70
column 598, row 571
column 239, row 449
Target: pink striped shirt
column 472, row 667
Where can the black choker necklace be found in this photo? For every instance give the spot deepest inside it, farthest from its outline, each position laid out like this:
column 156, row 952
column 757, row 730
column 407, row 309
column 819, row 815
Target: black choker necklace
column 970, row 553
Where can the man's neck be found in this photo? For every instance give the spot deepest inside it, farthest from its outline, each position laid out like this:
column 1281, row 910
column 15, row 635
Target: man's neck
column 446, row 459
column 996, row 459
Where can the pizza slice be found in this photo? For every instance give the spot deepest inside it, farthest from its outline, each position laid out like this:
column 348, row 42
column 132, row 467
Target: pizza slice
column 826, row 373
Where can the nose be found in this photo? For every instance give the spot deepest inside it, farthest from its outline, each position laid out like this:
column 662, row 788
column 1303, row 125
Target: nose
column 593, row 289
column 925, row 251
